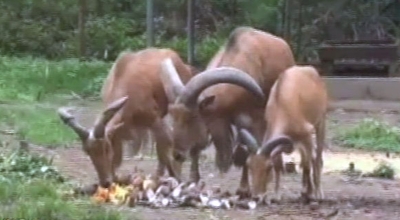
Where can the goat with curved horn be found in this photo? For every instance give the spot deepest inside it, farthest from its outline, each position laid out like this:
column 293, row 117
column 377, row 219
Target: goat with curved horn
column 128, row 92
column 277, row 145
column 189, row 93
column 70, row 120
column 106, row 116
column 249, row 140
column 172, row 83
column 237, row 82
column 214, row 76
column 296, row 108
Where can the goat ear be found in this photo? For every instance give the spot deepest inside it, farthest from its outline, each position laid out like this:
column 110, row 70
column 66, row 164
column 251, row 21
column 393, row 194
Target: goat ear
column 207, row 101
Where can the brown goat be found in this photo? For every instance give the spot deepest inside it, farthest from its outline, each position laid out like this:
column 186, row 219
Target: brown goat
column 136, row 101
column 296, row 109
column 190, row 133
column 262, row 57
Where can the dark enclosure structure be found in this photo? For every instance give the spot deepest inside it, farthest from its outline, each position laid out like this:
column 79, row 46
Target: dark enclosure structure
column 342, row 54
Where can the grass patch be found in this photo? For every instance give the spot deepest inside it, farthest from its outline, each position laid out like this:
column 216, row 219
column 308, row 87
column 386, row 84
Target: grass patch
column 30, row 188
column 37, row 124
column 370, row 134
column 33, row 79
column 383, row 170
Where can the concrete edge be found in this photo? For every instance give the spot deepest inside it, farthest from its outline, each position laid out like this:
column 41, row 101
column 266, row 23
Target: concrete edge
column 384, row 89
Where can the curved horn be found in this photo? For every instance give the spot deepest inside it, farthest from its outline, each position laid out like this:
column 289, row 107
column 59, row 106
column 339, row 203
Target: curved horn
column 213, row 76
column 170, row 79
column 112, row 109
column 70, row 120
column 248, row 139
column 277, row 145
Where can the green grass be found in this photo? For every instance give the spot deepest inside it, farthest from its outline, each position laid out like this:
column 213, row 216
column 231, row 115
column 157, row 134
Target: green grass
column 36, row 124
column 370, row 134
column 27, row 81
column 38, row 199
column 30, row 79
column 31, row 188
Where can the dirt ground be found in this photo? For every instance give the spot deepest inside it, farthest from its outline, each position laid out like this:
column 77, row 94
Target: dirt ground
column 346, row 198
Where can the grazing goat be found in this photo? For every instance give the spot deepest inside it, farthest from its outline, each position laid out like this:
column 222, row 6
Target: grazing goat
column 136, row 101
column 296, row 109
column 262, row 57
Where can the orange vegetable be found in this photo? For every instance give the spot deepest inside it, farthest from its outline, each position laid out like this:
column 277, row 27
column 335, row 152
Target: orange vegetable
column 115, row 194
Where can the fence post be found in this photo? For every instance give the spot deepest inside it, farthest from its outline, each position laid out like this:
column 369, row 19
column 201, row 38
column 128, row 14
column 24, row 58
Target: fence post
column 299, row 43
column 287, row 23
column 191, row 31
column 81, row 24
column 150, row 23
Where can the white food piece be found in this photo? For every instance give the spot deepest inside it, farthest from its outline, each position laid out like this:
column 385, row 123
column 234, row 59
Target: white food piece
column 226, row 204
column 252, row 204
column 215, row 203
column 177, row 191
column 165, row 202
column 204, row 199
column 173, row 182
column 192, row 185
column 151, row 196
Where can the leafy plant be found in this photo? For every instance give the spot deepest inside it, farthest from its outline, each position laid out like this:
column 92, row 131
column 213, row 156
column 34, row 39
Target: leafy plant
column 370, row 134
column 383, row 170
column 20, row 164
column 31, row 188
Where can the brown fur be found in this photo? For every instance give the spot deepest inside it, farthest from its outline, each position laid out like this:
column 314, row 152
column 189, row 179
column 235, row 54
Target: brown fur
column 260, row 55
column 296, row 109
column 135, row 76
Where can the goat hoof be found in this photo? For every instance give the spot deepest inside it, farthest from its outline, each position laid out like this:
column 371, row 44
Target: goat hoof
column 262, row 199
column 123, row 179
column 243, row 193
column 319, row 195
column 195, row 179
column 305, row 197
column 276, row 199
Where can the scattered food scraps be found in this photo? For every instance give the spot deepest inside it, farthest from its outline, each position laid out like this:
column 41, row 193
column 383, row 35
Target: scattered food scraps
column 165, row 192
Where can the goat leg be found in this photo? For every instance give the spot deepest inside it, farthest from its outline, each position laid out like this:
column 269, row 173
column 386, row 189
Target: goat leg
column 194, row 168
column 244, row 190
column 117, row 156
column 164, row 149
column 278, row 168
column 318, row 163
column 306, row 160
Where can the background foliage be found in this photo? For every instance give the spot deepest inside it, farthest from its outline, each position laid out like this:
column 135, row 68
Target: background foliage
column 46, row 28
column 40, row 41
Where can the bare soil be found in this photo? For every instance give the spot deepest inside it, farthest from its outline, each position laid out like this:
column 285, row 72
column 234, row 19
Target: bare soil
column 346, row 198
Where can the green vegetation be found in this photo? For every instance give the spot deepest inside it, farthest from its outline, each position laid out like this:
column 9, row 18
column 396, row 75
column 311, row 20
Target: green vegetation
column 31, row 188
column 370, row 134
column 28, row 85
column 37, row 124
column 383, row 170
column 40, row 41
column 33, row 79
column 47, row 28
